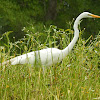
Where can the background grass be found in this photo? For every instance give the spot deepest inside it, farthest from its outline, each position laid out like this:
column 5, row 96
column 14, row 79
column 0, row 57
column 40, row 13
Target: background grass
column 77, row 77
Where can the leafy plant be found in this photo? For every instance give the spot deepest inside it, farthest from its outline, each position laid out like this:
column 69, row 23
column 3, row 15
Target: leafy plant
column 76, row 77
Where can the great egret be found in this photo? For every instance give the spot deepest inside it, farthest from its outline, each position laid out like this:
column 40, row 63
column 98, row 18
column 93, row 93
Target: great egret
column 49, row 56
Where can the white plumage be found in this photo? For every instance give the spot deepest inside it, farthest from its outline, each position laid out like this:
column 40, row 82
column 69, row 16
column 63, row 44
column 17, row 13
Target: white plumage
column 49, row 56
column 45, row 57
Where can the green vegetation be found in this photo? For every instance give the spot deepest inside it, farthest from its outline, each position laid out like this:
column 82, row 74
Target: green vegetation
column 16, row 14
column 29, row 25
column 77, row 77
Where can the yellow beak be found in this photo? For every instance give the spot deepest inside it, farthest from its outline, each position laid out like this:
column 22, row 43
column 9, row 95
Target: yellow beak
column 95, row 16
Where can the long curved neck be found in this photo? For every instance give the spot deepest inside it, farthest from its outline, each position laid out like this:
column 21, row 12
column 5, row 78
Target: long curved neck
column 76, row 35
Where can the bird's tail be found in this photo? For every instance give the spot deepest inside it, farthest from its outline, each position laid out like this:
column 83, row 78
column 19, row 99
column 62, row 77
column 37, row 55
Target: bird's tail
column 5, row 63
column 8, row 62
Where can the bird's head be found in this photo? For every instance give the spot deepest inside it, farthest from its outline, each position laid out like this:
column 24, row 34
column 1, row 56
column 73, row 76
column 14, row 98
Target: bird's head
column 84, row 15
column 88, row 15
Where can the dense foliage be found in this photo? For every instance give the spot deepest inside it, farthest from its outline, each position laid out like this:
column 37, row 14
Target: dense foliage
column 25, row 25
column 16, row 14
column 75, row 78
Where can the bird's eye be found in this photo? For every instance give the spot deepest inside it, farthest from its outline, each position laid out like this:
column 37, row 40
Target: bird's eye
column 89, row 14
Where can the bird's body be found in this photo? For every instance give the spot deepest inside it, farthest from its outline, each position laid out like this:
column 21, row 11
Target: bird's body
column 49, row 56
column 44, row 57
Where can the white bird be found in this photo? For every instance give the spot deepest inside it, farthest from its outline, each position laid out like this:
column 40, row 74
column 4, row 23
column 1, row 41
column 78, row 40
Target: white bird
column 50, row 56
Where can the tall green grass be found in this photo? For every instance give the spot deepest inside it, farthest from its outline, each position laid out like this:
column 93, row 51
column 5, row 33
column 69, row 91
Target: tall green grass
column 77, row 77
